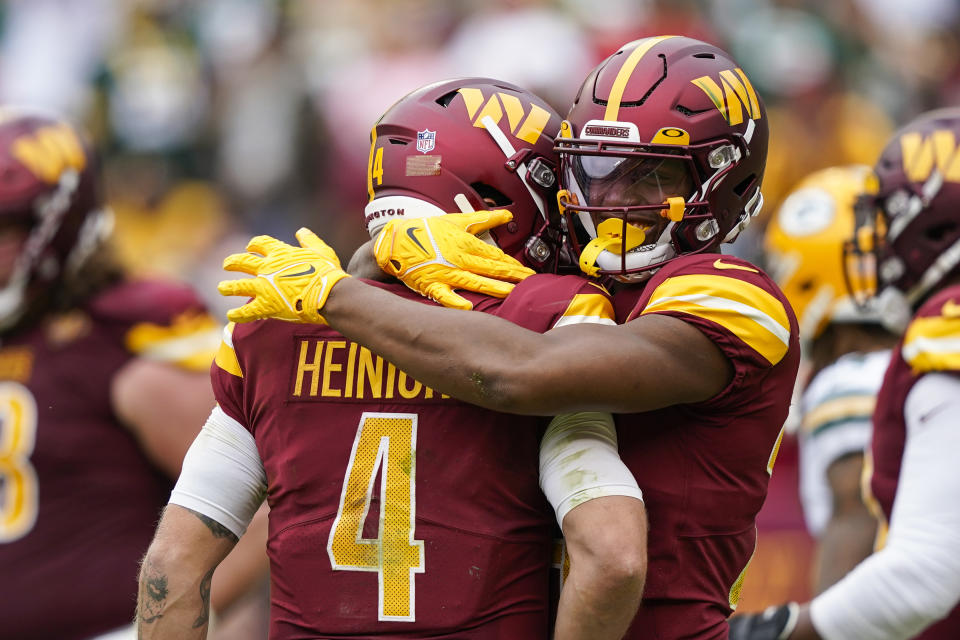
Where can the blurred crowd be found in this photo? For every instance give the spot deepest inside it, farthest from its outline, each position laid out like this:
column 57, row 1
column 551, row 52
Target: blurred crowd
column 223, row 118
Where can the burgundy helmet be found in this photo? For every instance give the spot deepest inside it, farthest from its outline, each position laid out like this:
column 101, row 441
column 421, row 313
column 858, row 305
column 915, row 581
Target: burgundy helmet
column 49, row 189
column 464, row 145
column 668, row 135
column 909, row 225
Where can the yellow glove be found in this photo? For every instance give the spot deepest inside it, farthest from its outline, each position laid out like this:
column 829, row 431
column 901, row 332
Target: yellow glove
column 434, row 256
column 291, row 283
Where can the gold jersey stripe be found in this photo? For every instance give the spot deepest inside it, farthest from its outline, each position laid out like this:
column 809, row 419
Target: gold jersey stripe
column 623, row 76
column 871, row 502
column 859, row 407
column 933, row 344
column 744, row 309
column 733, row 598
column 226, row 357
column 587, row 307
column 190, row 341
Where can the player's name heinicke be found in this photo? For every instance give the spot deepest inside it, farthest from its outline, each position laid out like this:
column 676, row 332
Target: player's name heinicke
column 344, row 369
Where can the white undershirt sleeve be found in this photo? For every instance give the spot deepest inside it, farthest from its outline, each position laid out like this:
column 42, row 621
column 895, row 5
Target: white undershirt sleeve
column 915, row 579
column 579, row 462
column 222, row 477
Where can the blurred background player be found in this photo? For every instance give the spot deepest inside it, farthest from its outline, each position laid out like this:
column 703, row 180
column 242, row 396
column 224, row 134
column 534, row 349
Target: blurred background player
column 909, row 238
column 459, row 534
column 659, row 166
column 847, row 350
column 100, row 380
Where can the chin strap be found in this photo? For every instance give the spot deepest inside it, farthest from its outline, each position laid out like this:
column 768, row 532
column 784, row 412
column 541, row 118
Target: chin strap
column 610, row 237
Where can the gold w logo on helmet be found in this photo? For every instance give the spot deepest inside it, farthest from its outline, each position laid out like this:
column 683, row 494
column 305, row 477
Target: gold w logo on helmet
column 525, row 125
column 49, row 151
column 736, row 96
column 922, row 153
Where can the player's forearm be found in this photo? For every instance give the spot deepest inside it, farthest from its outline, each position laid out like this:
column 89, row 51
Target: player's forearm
column 173, row 600
column 171, row 603
column 849, row 534
column 846, row 541
column 471, row 356
column 245, row 568
column 606, row 540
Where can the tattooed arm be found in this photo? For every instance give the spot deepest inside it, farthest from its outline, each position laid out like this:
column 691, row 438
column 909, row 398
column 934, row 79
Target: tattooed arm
column 175, row 577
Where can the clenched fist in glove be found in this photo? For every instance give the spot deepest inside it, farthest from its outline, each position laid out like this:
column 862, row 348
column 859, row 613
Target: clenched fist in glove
column 434, row 256
column 291, row 283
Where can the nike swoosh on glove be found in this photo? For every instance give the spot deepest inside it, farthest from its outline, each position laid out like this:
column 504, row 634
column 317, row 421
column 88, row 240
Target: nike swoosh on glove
column 290, row 283
column 775, row 623
column 433, row 256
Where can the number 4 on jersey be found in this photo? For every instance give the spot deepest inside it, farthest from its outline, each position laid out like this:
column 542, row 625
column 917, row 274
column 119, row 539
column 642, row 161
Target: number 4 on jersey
column 384, row 441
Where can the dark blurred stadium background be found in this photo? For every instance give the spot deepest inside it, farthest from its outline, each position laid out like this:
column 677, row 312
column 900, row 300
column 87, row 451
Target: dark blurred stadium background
column 223, row 118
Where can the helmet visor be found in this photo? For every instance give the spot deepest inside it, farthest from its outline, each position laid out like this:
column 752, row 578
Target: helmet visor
column 630, row 181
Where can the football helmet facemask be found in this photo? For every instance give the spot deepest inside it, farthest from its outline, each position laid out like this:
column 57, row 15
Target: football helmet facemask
column 908, row 222
column 803, row 247
column 49, row 190
column 662, row 154
column 466, row 145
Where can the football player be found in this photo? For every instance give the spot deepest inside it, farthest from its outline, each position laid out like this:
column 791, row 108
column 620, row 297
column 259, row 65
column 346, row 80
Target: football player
column 909, row 238
column 662, row 155
column 848, row 349
column 101, row 379
column 397, row 511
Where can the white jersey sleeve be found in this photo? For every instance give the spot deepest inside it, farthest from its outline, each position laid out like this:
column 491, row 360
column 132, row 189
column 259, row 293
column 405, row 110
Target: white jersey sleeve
column 222, row 476
column 915, row 579
column 579, row 462
column 836, row 421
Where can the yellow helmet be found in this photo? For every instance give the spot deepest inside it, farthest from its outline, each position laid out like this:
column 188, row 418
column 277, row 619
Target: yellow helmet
column 804, row 247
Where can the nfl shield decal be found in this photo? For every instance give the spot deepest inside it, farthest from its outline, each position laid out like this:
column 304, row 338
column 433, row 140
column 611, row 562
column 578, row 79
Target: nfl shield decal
column 426, row 140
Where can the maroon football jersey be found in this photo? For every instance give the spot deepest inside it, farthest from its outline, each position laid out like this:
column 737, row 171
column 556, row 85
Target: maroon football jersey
column 396, row 511
column 704, row 467
column 80, row 500
column 912, row 358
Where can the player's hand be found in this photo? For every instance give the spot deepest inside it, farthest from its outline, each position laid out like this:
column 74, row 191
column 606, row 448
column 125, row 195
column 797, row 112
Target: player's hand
column 775, row 623
column 291, row 283
column 434, row 256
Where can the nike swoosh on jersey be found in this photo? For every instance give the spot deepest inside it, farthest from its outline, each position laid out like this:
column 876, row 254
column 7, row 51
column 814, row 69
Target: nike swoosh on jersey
column 306, row 272
column 410, row 232
column 723, row 265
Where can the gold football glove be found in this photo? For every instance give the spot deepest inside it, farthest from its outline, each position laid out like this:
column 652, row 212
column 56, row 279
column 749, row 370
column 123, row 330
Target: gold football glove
column 291, row 283
column 434, row 256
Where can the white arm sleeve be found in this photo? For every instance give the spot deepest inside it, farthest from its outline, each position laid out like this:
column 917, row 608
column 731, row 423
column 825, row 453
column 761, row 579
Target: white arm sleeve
column 222, row 476
column 915, row 580
column 579, row 462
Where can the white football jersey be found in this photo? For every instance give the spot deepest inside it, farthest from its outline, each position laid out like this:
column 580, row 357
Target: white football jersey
column 836, row 409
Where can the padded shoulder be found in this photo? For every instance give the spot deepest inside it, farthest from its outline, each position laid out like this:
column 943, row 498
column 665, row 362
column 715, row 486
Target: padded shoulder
column 932, row 340
column 731, row 294
column 160, row 321
column 546, row 301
